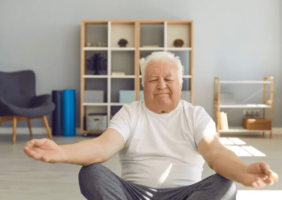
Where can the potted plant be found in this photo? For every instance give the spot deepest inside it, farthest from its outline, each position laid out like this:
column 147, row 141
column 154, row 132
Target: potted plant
column 96, row 63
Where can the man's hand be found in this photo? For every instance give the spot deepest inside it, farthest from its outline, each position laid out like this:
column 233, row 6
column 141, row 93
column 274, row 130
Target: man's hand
column 257, row 175
column 83, row 153
column 45, row 150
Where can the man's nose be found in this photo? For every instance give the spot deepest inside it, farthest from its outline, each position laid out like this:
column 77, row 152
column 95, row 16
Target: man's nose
column 161, row 84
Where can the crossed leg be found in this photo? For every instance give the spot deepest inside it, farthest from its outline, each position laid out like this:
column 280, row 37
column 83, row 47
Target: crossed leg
column 98, row 182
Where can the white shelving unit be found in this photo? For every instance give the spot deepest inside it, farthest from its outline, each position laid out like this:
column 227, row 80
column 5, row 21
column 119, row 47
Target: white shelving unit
column 267, row 104
column 138, row 33
column 238, row 129
column 246, row 106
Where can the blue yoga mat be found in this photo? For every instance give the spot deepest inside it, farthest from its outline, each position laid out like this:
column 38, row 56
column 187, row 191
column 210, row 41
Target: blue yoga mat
column 57, row 115
column 69, row 112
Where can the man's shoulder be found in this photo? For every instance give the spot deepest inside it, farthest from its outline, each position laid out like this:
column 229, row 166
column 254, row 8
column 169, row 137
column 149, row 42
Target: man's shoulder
column 133, row 107
column 187, row 104
column 193, row 109
column 134, row 104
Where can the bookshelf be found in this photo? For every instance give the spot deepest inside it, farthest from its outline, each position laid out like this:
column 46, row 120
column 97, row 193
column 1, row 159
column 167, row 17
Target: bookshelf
column 102, row 36
column 266, row 104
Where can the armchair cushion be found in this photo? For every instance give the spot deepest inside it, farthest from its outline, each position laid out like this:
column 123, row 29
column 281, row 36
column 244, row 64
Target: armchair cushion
column 33, row 106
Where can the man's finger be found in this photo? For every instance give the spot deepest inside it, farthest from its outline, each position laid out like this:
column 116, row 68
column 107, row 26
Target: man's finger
column 30, row 152
column 273, row 176
column 39, row 142
column 27, row 151
column 265, row 168
column 268, row 181
column 30, row 143
column 35, row 155
column 258, row 182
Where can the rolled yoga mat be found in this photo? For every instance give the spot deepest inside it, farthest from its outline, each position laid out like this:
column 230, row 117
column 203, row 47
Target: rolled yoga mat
column 69, row 112
column 57, row 115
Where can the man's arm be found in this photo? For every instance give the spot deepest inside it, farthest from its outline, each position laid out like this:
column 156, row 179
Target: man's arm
column 99, row 149
column 228, row 164
column 84, row 153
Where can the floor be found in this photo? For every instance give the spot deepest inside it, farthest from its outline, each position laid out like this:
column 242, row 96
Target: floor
column 24, row 178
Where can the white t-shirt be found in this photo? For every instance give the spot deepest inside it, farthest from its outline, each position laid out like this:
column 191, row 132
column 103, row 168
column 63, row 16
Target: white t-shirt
column 161, row 149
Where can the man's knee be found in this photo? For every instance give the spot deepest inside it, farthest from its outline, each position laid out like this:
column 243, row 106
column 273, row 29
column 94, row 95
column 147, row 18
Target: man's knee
column 89, row 175
column 227, row 189
column 90, row 170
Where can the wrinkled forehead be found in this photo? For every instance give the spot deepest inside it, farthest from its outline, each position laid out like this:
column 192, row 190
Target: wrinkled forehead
column 161, row 67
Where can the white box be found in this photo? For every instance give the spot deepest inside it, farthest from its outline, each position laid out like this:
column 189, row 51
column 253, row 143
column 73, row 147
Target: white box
column 93, row 96
column 96, row 122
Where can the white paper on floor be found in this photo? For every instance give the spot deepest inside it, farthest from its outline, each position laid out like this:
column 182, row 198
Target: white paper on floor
column 238, row 151
column 236, row 141
column 253, row 151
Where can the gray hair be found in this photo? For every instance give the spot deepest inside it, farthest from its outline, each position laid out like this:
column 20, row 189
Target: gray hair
column 159, row 56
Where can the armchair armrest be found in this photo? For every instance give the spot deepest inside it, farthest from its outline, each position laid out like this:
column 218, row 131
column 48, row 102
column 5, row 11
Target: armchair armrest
column 40, row 100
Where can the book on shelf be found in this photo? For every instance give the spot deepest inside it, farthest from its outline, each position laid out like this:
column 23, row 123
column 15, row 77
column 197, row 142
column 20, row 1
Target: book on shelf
column 151, row 46
column 223, row 125
column 226, row 121
column 221, row 120
column 118, row 73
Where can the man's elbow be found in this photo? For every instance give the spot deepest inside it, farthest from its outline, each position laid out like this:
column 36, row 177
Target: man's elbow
column 96, row 160
column 218, row 157
column 213, row 159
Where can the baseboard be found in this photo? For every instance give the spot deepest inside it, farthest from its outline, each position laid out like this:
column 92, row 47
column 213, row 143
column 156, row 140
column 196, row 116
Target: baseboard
column 42, row 130
column 35, row 131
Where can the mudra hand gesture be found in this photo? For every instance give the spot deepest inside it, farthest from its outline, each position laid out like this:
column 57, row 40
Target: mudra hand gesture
column 45, row 150
column 257, row 175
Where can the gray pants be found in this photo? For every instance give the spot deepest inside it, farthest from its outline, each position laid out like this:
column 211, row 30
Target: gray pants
column 98, row 182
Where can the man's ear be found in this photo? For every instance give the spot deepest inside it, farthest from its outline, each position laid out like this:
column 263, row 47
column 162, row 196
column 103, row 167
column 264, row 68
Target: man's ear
column 181, row 84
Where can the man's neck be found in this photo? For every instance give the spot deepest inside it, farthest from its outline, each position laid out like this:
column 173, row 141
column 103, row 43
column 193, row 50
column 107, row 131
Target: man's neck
column 160, row 109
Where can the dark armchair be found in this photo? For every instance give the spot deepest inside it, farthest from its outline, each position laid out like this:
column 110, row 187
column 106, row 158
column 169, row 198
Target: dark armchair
column 18, row 100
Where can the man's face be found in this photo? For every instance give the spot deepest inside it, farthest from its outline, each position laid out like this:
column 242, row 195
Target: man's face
column 161, row 85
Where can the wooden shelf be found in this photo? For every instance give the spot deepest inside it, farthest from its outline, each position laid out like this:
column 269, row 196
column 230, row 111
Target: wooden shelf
column 123, row 76
column 239, row 129
column 178, row 31
column 122, row 48
column 117, row 104
column 151, row 49
column 95, row 48
column 245, row 106
column 245, row 82
column 104, row 104
column 138, row 33
column 95, row 76
column 266, row 103
column 179, row 49
column 125, row 30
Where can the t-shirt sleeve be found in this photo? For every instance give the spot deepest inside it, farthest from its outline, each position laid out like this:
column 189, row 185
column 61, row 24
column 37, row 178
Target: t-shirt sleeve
column 121, row 122
column 203, row 124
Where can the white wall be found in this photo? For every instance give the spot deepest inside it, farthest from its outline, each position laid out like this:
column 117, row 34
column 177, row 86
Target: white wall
column 236, row 40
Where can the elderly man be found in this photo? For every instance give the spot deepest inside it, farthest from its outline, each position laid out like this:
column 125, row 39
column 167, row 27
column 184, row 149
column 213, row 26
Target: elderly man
column 162, row 143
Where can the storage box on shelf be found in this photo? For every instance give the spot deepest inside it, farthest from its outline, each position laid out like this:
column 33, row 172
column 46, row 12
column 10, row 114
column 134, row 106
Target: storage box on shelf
column 249, row 125
column 119, row 44
column 256, row 124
